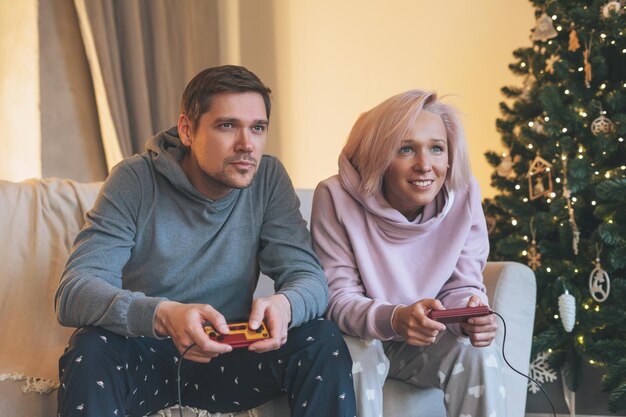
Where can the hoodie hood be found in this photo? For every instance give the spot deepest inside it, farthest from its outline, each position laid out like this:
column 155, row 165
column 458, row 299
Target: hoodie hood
column 165, row 149
column 388, row 218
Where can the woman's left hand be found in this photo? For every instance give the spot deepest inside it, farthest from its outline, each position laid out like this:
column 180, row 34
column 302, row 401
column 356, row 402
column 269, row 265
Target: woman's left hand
column 480, row 330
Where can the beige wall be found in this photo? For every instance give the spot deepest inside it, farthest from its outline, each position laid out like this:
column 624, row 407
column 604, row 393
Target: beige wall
column 335, row 59
column 19, row 91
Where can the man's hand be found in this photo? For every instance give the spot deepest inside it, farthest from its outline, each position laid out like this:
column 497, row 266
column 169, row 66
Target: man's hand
column 412, row 322
column 480, row 330
column 276, row 311
column 183, row 323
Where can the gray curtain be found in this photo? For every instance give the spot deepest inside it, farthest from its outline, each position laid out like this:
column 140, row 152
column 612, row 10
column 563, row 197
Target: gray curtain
column 141, row 55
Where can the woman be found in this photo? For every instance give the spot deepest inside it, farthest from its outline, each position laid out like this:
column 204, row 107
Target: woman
column 400, row 232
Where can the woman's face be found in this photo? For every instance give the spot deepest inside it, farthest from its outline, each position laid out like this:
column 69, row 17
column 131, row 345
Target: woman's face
column 419, row 170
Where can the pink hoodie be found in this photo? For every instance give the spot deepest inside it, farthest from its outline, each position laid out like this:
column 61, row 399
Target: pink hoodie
column 376, row 260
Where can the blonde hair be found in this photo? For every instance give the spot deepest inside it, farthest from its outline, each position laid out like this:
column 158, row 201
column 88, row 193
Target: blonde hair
column 376, row 136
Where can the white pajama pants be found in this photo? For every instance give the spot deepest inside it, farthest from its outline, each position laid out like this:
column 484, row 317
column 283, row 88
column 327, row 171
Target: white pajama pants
column 471, row 378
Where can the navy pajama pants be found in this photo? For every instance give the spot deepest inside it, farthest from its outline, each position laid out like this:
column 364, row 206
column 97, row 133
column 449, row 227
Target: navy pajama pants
column 105, row 374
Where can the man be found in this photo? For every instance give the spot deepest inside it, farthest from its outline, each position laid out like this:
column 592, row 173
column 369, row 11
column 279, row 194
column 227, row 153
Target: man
column 174, row 241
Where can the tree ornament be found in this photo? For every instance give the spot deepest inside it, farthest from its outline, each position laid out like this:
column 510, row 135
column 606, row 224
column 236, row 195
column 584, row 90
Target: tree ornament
column 574, row 44
column 539, row 178
column 586, row 64
column 601, row 125
column 505, row 168
column 570, row 210
column 540, row 371
column 611, row 7
column 550, row 63
column 567, row 310
column 544, row 29
column 533, row 255
column 537, row 127
column 599, row 282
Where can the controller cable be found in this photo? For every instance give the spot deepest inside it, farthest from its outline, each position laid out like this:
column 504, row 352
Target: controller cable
column 180, row 398
column 511, row 366
column 180, row 403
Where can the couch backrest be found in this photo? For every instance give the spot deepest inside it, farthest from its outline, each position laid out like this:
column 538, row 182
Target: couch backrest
column 38, row 222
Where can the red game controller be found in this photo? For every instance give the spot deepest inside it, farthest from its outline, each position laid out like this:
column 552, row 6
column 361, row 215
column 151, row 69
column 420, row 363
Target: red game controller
column 240, row 335
column 456, row 315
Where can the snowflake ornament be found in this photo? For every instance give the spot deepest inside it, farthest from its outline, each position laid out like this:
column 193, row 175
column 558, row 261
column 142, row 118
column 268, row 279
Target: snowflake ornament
column 534, row 257
column 540, row 371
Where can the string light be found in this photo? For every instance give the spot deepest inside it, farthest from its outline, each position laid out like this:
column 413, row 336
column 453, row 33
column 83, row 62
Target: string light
column 580, row 69
column 517, row 187
column 586, row 306
column 514, row 222
column 566, row 91
column 525, row 200
column 558, row 180
column 523, row 65
column 603, row 36
column 593, row 203
column 581, row 339
column 548, row 269
column 556, row 316
column 564, row 130
column 602, row 86
column 547, row 119
column 597, row 308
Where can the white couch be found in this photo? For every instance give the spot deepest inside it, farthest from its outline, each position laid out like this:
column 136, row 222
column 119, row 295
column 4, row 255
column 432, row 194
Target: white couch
column 38, row 222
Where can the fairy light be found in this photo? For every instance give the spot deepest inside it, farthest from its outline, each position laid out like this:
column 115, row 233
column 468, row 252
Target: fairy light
column 517, row 186
column 602, row 86
column 548, row 200
column 523, row 65
column 531, row 124
column 580, row 69
column 559, row 28
column 576, row 270
column 612, row 42
column 574, row 199
column 547, row 119
column 591, row 361
column 581, row 149
column 597, row 308
column 597, row 172
column 530, row 146
column 556, row 316
column 582, row 114
column 548, row 269
column 525, row 200
column 593, row 203
column 564, row 130
column 549, row 350
column 621, row 139
column 623, row 167
column 610, row 221
column 553, row 17
column 566, row 91
column 525, row 238
column 586, row 306
column 580, row 156
column 514, row 222
column 553, row 195
column 524, row 253
column 581, row 339
column 607, row 175
column 603, row 36
column 558, row 180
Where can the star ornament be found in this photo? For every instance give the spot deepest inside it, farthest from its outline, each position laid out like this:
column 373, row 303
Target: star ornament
column 550, row 63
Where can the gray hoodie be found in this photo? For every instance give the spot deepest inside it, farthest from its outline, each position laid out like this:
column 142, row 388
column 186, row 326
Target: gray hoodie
column 152, row 236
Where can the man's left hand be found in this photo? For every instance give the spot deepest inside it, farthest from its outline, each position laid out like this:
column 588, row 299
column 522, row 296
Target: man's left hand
column 275, row 310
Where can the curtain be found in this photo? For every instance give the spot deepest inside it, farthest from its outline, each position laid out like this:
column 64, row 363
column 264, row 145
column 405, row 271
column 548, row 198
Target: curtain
column 141, row 55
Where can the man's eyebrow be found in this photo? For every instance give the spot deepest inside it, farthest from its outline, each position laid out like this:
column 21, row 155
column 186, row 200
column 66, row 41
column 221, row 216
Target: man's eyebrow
column 235, row 120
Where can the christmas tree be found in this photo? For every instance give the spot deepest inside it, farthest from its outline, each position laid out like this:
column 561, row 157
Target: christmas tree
column 562, row 181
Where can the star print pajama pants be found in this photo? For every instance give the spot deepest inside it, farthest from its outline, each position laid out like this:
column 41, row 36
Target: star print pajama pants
column 471, row 378
column 105, row 374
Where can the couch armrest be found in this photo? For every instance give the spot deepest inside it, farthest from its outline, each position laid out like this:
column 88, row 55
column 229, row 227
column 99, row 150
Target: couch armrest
column 512, row 292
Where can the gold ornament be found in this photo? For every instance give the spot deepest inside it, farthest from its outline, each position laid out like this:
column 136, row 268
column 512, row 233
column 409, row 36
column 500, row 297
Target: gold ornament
column 544, row 29
column 611, row 7
column 586, row 64
column 601, row 125
column 539, row 178
column 599, row 282
column 574, row 44
column 550, row 63
column 570, row 210
column 533, row 255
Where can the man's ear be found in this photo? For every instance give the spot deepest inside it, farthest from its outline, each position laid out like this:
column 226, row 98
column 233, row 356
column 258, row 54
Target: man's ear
column 184, row 129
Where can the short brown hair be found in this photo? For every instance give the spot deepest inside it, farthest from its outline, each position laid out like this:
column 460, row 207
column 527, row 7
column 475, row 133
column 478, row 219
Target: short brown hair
column 376, row 136
column 198, row 94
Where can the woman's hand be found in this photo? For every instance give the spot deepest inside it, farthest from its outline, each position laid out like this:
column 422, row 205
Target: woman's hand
column 412, row 322
column 480, row 330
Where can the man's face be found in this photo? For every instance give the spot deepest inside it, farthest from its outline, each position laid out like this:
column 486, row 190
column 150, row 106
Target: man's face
column 226, row 148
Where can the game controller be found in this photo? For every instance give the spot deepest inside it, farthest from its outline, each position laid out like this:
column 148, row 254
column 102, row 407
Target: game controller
column 456, row 315
column 240, row 334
